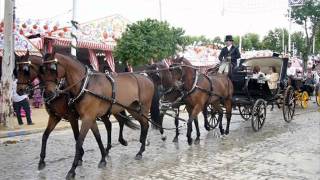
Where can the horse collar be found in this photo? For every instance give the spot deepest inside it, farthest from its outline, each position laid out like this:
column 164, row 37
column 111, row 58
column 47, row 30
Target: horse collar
column 83, row 86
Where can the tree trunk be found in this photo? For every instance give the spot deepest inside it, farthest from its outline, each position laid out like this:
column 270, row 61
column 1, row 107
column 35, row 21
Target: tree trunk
column 7, row 66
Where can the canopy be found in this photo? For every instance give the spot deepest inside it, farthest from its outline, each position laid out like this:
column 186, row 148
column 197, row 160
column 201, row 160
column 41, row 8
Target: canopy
column 21, row 45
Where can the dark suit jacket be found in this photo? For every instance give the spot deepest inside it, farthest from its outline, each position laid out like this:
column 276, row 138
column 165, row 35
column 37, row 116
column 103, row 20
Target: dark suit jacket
column 235, row 54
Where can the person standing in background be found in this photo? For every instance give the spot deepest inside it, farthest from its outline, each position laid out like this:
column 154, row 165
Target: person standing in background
column 20, row 102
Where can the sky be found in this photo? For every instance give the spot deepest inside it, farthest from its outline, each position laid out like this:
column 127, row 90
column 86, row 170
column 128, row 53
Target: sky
column 198, row 17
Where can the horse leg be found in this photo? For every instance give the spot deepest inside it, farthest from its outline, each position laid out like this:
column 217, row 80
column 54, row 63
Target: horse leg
column 144, row 131
column 228, row 105
column 73, row 119
column 108, row 126
column 53, row 121
column 205, row 117
column 196, row 124
column 176, row 122
column 85, row 126
column 121, row 124
column 96, row 133
column 217, row 106
column 193, row 113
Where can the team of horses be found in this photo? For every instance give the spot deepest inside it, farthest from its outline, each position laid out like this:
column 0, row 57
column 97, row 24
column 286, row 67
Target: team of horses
column 74, row 92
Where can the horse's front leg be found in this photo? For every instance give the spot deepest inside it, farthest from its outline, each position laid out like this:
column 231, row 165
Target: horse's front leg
column 52, row 123
column 196, row 124
column 108, row 125
column 228, row 105
column 85, row 126
column 176, row 122
column 193, row 113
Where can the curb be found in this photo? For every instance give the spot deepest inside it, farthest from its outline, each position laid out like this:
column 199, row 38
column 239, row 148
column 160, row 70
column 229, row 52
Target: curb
column 27, row 132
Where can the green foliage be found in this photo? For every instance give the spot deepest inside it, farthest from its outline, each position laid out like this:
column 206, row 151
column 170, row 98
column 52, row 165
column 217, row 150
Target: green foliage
column 273, row 40
column 148, row 39
column 299, row 42
column 308, row 16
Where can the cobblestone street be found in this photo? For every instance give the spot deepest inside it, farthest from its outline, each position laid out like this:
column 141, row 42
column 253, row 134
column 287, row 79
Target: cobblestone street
column 279, row 151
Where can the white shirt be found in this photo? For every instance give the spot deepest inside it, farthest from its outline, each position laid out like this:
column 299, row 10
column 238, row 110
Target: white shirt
column 291, row 71
column 15, row 96
column 229, row 47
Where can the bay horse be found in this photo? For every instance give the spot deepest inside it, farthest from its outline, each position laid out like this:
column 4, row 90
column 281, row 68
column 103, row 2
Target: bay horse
column 160, row 74
column 198, row 90
column 27, row 69
column 97, row 94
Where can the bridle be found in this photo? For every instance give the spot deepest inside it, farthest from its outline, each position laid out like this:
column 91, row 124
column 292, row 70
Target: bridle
column 27, row 66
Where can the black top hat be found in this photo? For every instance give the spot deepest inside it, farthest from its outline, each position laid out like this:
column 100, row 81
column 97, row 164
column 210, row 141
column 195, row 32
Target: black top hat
column 228, row 38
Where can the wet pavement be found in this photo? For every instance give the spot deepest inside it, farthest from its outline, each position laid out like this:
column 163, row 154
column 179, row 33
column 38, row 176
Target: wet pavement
column 279, row 151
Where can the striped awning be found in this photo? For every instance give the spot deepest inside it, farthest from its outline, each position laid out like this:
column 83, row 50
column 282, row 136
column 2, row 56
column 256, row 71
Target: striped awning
column 22, row 53
column 82, row 44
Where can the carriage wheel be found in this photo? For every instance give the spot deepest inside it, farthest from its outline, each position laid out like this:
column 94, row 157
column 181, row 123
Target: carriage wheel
column 289, row 104
column 213, row 117
column 245, row 112
column 259, row 112
column 304, row 98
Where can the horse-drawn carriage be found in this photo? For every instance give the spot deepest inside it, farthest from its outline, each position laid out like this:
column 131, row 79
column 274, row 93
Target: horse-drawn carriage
column 252, row 94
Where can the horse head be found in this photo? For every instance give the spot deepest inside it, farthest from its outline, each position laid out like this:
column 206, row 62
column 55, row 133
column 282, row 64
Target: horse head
column 51, row 74
column 26, row 70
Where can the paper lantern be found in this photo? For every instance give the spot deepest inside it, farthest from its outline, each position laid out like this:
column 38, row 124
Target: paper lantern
column 2, row 24
column 35, row 26
column 24, row 25
column 1, row 30
column 65, row 29
column 45, row 27
column 55, row 28
column 49, row 33
column 105, row 35
column 21, row 32
column 61, row 34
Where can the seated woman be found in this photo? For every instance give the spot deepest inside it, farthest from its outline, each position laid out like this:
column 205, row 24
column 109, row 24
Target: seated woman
column 257, row 72
column 272, row 78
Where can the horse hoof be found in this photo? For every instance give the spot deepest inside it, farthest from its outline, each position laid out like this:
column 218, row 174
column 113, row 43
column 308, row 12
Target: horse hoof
column 197, row 141
column 70, row 175
column 163, row 137
column 222, row 132
column 80, row 163
column 123, row 142
column 41, row 165
column 227, row 132
column 102, row 164
column 138, row 157
column 175, row 139
column 190, row 141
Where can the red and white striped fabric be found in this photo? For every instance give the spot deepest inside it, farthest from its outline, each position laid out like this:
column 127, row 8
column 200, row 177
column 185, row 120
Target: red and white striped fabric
column 93, row 60
column 83, row 44
column 110, row 60
column 37, row 42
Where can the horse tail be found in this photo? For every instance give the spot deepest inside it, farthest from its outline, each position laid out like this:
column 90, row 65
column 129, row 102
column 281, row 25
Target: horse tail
column 127, row 121
column 155, row 110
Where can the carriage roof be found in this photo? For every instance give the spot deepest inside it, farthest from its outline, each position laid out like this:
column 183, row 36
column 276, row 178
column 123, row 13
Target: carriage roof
column 280, row 64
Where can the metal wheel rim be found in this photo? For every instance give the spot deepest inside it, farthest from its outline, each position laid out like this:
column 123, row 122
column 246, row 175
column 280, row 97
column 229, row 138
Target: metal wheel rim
column 289, row 105
column 213, row 119
column 245, row 112
column 258, row 114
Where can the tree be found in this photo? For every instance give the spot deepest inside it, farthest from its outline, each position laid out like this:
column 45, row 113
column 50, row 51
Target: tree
column 273, row 40
column 217, row 40
column 307, row 15
column 299, row 42
column 148, row 39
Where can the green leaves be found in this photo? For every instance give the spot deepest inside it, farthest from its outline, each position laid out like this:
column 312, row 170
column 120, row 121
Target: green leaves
column 148, row 40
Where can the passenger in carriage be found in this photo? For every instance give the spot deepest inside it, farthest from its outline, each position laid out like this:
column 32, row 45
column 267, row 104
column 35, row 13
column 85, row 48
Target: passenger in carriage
column 273, row 78
column 257, row 72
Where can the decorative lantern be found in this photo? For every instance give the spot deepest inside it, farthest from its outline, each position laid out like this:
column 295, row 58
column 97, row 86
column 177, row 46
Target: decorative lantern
column 65, row 29
column 105, row 35
column 24, row 25
column 45, row 27
column 61, row 34
column 55, row 28
column 35, row 26
column 2, row 24
column 1, row 30
column 21, row 32
column 49, row 33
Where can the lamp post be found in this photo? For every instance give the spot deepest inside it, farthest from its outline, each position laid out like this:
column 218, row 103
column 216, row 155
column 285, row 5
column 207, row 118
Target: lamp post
column 160, row 10
column 74, row 24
